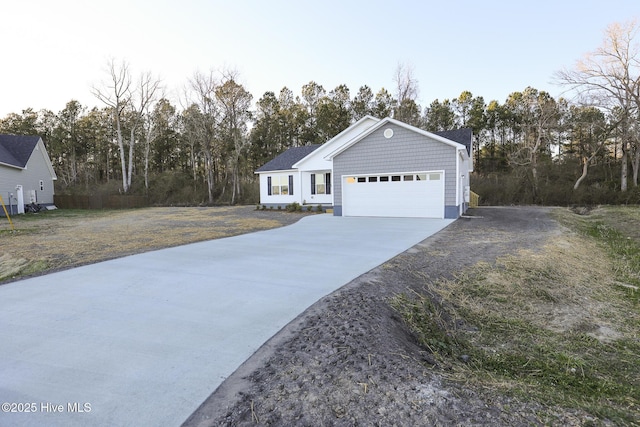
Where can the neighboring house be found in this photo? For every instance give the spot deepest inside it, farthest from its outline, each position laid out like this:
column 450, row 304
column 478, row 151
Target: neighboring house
column 26, row 173
column 375, row 167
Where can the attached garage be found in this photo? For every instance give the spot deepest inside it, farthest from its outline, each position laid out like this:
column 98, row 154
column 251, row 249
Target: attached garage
column 408, row 194
column 396, row 170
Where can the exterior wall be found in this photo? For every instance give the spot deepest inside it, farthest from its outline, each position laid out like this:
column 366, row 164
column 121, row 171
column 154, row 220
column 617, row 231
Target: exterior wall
column 301, row 190
column 404, row 151
column 315, row 199
column 465, row 178
column 451, row 212
column 280, row 200
column 37, row 169
column 317, row 162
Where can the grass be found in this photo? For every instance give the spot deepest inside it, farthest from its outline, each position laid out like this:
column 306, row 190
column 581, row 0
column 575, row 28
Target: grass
column 559, row 326
column 66, row 238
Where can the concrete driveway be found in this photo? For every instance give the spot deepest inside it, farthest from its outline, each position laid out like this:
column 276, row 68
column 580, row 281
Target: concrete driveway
column 144, row 340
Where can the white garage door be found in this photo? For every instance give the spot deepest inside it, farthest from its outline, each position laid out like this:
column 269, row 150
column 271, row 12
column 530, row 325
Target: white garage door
column 417, row 194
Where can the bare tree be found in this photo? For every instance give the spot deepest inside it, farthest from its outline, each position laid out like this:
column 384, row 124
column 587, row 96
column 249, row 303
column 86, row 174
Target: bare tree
column 147, row 93
column 150, row 91
column 539, row 115
column 235, row 103
column 201, row 94
column 610, row 78
column 407, row 87
column 124, row 99
column 188, row 120
column 407, row 108
column 589, row 134
column 116, row 94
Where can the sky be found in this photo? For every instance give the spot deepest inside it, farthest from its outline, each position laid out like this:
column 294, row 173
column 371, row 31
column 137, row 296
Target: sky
column 52, row 52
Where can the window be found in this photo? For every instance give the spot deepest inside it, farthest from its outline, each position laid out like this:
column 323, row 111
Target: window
column 408, row 177
column 280, row 185
column 421, row 177
column 373, row 179
column 434, row 177
column 362, row 179
column 384, row 179
column 321, row 183
column 395, row 178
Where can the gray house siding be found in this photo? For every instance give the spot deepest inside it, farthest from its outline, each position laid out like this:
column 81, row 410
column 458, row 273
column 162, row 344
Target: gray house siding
column 404, row 151
column 36, row 170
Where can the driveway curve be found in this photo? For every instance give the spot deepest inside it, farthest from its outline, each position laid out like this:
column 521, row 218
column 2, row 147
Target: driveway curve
column 144, row 340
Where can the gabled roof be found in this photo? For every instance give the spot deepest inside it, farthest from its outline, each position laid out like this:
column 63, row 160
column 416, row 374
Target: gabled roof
column 340, row 138
column 286, row 160
column 389, row 120
column 462, row 136
column 15, row 150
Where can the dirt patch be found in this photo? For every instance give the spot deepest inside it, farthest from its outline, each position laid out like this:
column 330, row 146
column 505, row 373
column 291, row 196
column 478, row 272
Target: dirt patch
column 50, row 241
column 349, row 360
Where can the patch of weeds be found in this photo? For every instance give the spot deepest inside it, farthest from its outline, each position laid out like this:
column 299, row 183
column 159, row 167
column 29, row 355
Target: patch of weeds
column 20, row 232
column 12, row 267
column 426, row 321
column 565, row 369
column 544, row 295
column 35, row 267
column 537, row 318
column 623, row 250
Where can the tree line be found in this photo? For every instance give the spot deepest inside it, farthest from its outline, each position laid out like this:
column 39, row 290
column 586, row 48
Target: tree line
column 530, row 148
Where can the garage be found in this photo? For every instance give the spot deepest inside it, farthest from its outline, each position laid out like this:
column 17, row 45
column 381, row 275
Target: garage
column 409, row 194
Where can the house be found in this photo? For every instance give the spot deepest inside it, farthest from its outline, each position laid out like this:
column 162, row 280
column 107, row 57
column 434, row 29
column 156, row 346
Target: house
column 375, row 167
column 26, row 173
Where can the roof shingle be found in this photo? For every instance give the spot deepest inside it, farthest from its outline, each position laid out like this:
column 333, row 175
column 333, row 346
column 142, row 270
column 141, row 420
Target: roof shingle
column 461, row 136
column 286, row 160
column 15, row 150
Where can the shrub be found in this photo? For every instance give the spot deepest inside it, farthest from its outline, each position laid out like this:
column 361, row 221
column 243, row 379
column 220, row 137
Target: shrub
column 294, row 207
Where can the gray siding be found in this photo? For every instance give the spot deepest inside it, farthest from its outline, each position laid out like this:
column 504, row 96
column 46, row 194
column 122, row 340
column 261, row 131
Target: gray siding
column 404, row 151
column 29, row 178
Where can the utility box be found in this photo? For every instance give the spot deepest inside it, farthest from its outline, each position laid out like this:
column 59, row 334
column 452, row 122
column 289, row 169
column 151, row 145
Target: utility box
column 20, row 199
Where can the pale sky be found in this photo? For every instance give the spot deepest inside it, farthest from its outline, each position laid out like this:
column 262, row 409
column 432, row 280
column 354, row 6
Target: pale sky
column 53, row 51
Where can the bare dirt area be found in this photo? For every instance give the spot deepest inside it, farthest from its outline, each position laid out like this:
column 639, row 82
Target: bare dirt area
column 350, row 360
column 54, row 240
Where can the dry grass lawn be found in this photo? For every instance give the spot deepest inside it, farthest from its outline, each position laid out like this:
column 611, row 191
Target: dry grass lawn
column 66, row 238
